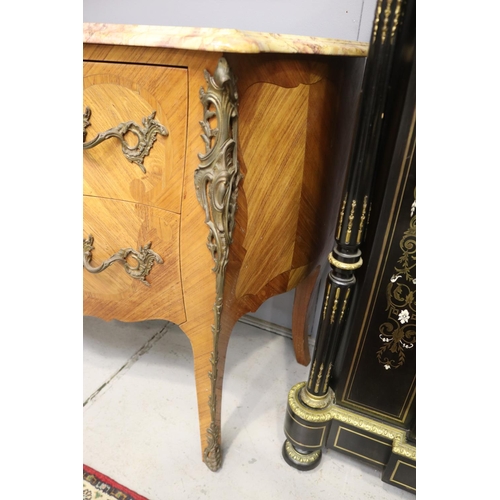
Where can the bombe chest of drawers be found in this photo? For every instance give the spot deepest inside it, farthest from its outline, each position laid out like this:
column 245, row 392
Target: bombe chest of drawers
column 213, row 160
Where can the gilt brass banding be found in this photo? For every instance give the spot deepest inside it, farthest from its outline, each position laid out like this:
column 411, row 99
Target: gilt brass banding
column 393, row 480
column 146, row 136
column 344, row 265
column 145, row 258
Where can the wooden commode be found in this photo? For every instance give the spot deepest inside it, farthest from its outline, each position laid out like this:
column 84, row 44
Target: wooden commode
column 213, row 164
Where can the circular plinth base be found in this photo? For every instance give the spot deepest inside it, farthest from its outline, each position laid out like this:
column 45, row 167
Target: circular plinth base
column 300, row 461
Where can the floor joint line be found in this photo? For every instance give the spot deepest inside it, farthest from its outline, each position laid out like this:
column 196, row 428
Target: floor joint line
column 130, row 362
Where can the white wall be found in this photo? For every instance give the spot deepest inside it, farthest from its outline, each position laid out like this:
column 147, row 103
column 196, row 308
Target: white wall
column 343, row 19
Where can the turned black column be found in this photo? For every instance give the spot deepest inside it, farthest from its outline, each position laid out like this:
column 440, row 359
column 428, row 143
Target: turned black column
column 311, row 403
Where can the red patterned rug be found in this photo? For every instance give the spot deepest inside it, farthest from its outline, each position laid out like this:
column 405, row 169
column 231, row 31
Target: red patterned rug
column 97, row 486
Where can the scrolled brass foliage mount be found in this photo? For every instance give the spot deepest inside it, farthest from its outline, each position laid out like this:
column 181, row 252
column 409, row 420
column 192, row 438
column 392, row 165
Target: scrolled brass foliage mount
column 144, row 257
column 146, row 136
column 216, row 182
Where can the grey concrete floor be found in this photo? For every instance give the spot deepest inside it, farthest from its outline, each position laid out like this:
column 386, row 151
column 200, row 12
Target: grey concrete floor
column 141, row 422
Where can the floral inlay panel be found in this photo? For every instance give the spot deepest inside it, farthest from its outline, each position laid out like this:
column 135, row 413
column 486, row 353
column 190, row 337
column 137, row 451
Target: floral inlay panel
column 398, row 333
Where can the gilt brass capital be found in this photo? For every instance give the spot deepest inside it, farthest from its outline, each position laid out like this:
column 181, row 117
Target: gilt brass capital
column 305, row 412
column 317, row 401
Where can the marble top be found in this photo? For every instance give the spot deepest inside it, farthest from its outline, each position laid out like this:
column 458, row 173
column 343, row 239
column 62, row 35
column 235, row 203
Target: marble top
column 218, row 40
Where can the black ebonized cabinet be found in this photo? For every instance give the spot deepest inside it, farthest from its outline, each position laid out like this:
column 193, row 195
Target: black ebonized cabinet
column 360, row 395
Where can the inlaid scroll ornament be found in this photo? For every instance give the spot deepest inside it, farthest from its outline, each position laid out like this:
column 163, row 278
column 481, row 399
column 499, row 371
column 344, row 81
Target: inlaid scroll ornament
column 146, row 136
column 144, row 258
column 216, row 181
column 398, row 333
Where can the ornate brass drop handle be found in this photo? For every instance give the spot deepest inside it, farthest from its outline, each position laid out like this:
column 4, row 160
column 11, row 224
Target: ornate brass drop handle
column 145, row 137
column 145, row 258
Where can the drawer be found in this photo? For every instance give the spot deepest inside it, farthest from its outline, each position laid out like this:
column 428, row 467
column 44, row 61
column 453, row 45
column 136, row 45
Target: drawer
column 113, row 293
column 119, row 93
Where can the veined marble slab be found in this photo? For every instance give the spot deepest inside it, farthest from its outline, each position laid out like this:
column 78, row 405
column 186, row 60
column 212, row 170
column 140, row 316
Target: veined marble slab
column 218, row 40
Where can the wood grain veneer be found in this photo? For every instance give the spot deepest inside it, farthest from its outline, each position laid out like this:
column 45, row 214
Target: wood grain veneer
column 113, row 293
column 291, row 150
column 117, row 93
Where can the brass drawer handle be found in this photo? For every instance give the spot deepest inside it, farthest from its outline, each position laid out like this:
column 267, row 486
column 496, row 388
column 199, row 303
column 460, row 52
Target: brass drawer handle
column 145, row 137
column 145, row 258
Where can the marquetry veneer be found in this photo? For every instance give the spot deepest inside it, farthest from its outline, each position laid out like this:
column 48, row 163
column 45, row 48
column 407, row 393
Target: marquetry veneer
column 249, row 165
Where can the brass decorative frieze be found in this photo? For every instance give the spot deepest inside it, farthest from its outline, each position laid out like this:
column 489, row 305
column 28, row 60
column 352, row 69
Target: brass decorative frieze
column 398, row 437
column 303, row 411
column 402, row 448
column 398, row 333
column 146, row 136
column 317, row 401
column 334, row 412
column 216, row 181
column 145, row 258
column 302, row 458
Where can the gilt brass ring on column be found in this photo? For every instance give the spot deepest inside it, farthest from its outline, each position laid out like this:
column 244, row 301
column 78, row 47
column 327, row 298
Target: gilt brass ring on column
column 344, row 265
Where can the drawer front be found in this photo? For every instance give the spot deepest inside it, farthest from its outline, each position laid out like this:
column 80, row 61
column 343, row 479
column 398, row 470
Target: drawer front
column 112, row 229
column 117, row 94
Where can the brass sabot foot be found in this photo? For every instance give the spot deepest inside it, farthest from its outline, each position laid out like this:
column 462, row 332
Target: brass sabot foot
column 212, row 455
column 213, row 458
